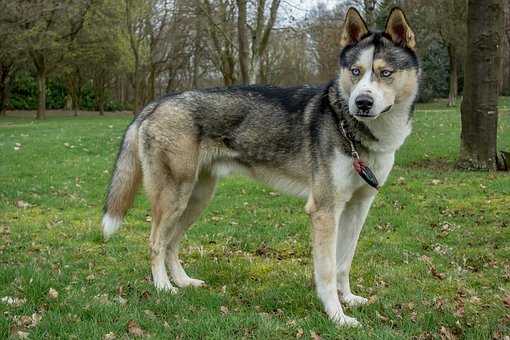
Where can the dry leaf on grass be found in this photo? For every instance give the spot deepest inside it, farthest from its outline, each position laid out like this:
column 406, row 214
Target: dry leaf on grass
column 134, row 328
column 446, row 334
column 22, row 335
column 22, row 204
column 436, row 274
column 12, row 301
column 506, row 301
column 52, row 294
column 110, row 336
column 314, row 336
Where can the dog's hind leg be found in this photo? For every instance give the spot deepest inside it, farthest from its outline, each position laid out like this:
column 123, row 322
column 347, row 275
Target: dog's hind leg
column 167, row 207
column 169, row 184
column 200, row 197
column 350, row 224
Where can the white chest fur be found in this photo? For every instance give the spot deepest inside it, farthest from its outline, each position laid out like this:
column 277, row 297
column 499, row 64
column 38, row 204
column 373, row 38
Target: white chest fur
column 347, row 181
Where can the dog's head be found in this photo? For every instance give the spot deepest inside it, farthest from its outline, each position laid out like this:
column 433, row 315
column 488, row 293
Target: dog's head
column 377, row 69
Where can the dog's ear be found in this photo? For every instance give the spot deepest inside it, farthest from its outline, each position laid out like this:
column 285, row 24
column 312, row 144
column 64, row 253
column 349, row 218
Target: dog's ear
column 354, row 28
column 399, row 30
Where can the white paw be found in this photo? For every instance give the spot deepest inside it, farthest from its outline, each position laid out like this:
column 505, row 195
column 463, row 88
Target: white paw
column 165, row 286
column 352, row 300
column 189, row 282
column 345, row 321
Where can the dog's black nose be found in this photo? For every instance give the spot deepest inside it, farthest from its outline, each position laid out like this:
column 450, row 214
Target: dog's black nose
column 364, row 102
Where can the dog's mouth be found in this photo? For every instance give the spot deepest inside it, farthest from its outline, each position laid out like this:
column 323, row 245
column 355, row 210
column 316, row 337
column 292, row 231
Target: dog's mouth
column 386, row 109
column 369, row 114
column 365, row 114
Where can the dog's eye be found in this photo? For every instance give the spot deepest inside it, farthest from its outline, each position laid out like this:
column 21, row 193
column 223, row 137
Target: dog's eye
column 386, row 73
column 356, row 71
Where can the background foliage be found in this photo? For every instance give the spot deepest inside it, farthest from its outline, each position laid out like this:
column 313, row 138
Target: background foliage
column 110, row 55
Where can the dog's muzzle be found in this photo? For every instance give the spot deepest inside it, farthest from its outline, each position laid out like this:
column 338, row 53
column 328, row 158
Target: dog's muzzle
column 364, row 104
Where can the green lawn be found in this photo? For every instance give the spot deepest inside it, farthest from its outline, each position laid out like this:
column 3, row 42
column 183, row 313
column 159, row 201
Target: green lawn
column 434, row 256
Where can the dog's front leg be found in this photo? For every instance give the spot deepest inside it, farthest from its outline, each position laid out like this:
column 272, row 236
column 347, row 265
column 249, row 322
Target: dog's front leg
column 324, row 228
column 351, row 222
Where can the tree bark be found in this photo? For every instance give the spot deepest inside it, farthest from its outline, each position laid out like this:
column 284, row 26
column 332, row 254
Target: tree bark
column 479, row 106
column 5, row 71
column 41, row 94
column 454, row 75
column 244, row 53
column 100, row 89
column 251, row 65
column 151, row 95
column 507, row 33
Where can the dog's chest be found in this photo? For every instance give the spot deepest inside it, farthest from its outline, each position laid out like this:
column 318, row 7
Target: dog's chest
column 346, row 180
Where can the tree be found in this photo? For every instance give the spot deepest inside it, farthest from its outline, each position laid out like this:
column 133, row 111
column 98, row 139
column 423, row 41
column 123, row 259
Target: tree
column 46, row 30
column 221, row 30
column 136, row 13
column 250, row 59
column 7, row 59
column 481, row 82
column 507, row 33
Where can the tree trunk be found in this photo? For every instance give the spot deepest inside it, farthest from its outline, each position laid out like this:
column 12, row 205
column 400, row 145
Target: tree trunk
column 100, row 88
column 244, row 53
column 151, row 95
column 74, row 92
column 479, row 106
column 41, row 94
column 507, row 33
column 369, row 7
column 454, row 75
column 5, row 70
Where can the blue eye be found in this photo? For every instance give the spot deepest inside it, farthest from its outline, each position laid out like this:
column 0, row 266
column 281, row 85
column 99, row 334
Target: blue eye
column 356, row 71
column 386, row 73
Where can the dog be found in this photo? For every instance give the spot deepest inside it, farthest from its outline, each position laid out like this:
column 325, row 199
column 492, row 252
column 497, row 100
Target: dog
column 332, row 145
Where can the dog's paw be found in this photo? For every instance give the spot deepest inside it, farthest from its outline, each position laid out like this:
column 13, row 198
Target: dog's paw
column 165, row 286
column 343, row 320
column 352, row 300
column 189, row 282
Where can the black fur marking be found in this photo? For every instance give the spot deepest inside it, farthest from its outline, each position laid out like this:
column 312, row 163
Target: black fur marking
column 398, row 57
column 239, row 128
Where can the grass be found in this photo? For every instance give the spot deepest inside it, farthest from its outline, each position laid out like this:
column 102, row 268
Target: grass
column 433, row 256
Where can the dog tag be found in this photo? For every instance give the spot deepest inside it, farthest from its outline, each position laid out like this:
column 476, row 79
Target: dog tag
column 365, row 173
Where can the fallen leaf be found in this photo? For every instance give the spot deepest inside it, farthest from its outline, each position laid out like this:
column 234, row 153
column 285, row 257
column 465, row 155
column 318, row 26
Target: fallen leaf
column 314, row 336
column 381, row 317
column 120, row 300
column 22, row 335
column 22, row 204
column 110, row 336
column 13, row 301
column 52, row 294
column 506, row 301
column 446, row 334
column 223, row 310
column 134, row 329
column 437, row 274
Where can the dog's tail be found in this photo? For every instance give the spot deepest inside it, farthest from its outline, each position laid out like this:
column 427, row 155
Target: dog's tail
column 125, row 181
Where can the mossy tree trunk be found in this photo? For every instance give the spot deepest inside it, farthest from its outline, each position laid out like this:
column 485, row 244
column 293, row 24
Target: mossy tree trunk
column 479, row 106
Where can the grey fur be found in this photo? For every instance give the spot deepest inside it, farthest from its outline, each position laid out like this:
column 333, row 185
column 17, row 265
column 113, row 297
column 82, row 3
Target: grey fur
column 286, row 137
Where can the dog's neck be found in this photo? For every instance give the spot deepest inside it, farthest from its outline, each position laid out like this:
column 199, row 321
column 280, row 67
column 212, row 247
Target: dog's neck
column 386, row 134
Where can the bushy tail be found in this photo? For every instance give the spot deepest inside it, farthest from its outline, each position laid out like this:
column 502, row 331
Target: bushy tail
column 124, row 183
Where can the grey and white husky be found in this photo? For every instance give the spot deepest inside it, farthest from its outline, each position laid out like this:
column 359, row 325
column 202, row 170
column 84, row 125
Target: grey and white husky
column 303, row 140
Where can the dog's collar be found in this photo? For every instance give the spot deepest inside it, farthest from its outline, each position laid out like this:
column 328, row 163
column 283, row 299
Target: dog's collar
column 359, row 166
